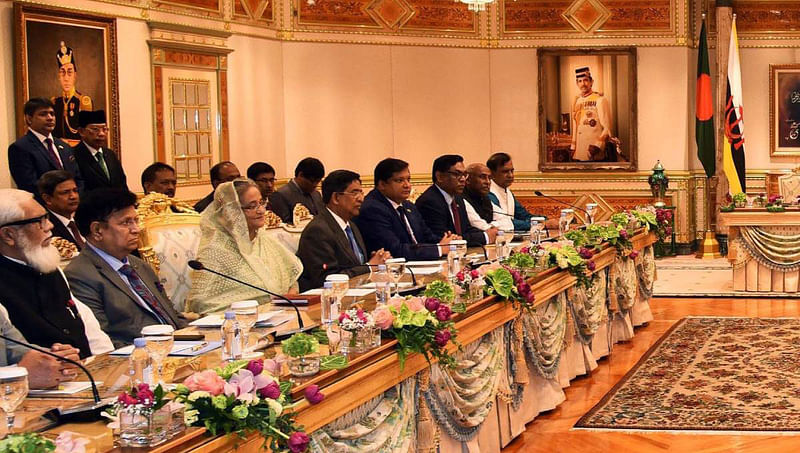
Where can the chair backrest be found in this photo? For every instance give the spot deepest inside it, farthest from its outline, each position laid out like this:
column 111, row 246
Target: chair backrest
column 789, row 186
column 169, row 240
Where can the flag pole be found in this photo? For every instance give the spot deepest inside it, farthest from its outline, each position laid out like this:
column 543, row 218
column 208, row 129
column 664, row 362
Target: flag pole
column 708, row 247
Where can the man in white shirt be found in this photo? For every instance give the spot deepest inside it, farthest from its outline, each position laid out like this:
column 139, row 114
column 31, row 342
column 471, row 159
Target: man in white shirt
column 502, row 170
column 59, row 192
column 480, row 210
column 33, row 290
column 38, row 152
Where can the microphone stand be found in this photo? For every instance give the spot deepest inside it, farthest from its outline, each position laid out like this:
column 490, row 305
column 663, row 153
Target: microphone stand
column 540, row 194
column 81, row 412
column 198, row 266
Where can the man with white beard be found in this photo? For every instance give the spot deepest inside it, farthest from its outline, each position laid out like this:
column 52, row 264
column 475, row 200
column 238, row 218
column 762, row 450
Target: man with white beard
column 33, row 290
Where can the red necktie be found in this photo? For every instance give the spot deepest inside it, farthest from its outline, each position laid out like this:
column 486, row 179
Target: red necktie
column 52, row 151
column 75, row 233
column 147, row 296
column 456, row 217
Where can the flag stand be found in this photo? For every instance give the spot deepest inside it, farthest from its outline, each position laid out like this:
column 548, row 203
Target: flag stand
column 708, row 247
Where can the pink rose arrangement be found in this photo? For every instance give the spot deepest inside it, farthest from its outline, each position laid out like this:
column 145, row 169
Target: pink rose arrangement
column 420, row 324
column 142, row 399
column 242, row 397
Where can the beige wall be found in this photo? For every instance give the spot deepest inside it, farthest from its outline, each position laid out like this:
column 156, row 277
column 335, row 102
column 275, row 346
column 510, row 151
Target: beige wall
column 352, row 105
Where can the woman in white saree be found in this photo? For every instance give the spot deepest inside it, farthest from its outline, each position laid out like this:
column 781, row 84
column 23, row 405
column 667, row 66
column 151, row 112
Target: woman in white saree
column 234, row 243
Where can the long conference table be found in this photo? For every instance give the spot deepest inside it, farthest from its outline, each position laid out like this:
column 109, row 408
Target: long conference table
column 367, row 376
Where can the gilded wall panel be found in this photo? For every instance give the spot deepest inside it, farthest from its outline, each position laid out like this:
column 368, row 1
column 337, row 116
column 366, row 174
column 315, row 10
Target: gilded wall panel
column 649, row 15
column 258, row 11
column 762, row 18
column 535, row 16
column 204, row 8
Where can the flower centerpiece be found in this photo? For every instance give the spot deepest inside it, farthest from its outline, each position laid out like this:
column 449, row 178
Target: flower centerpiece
column 26, row 443
column 358, row 330
column 728, row 207
column 564, row 255
column 775, row 204
column 442, row 290
column 508, row 283
column 740, row 200
column 422, row 325
column 300, row 347
column 142, row 423
column 646, row 216
column 241, row 398
column 760, row 200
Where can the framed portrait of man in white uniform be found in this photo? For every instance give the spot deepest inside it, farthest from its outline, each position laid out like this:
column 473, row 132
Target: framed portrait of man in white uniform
column 587, row 109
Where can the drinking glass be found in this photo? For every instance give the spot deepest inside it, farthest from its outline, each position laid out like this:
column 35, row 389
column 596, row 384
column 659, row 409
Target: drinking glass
column 590, row 208
column 246, row 315
column 341, row 283
column 334, row 333
column 461, row 247
column 537, row 229
column 565, row 220
column 13, row 390
column 396, row 268
column 159, row 338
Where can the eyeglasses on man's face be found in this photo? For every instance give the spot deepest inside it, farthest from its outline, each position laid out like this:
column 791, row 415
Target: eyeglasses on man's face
column 358, row 193
column 457, row 174
column 41, row 220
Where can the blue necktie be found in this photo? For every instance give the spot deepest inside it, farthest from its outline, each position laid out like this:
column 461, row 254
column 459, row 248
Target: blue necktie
column 354, row 244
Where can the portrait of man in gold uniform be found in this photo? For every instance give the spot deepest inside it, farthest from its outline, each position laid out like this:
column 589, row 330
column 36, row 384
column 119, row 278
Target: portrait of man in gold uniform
column 71, row 101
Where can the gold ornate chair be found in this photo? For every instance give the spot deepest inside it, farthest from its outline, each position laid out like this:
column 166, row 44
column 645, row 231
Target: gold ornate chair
column 169, row 240
column 789, row 186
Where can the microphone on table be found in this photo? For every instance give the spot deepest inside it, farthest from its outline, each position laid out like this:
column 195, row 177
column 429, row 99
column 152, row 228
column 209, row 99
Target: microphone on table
column 408, row 291
column 83, row 412
column 198, row 266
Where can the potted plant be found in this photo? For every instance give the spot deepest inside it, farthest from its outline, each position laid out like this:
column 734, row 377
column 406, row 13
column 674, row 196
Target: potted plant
column 740, row 200
column 301, row 347
column 775, row 204
column 142, row 423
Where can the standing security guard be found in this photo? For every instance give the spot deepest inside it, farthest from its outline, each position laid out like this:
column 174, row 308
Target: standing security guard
column 70, row 102
column 591, row 120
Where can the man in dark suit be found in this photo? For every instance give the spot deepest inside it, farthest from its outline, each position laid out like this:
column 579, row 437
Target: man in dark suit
column 123, row 291
column 99, row 165
column 331, row 243
column 60, row 195
column 224, row 171
column 389, row 221
column 38, row 152
column 442, row 205
column 302, row 189
column 159, row 177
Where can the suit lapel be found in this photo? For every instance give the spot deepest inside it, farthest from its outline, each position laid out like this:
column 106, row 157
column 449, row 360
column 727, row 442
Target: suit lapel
column 42, row 150
column 93, row 164
column 338, row 233
column 111, row 275
column 165, row 307
column 447, row 207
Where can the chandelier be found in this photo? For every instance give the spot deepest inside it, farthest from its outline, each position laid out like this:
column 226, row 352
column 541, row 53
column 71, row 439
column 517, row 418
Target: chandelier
column 476, row 5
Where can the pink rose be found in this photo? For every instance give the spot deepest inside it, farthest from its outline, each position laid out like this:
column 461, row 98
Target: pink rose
column 396, row 303
column 415, row 304
column 205, row 381
column 591, row 266
column 256, row 366
column 633, row 254
column 298, row 442
column 271, row 391
column 145, row 395
column 623, row 234
column 383, row 318
column 313, row 395
column 441, row 338
column 473, row 273
column 443, row 313
column 343, row 316
column 431, row 304
column 460, row 276
column 126, row 400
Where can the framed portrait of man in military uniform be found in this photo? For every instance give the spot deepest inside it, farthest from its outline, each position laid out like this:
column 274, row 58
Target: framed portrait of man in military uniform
column 71, row 59
column 784, row 110
column 587, row 109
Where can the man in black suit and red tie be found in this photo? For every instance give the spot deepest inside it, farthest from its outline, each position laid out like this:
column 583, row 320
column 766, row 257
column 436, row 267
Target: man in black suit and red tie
column 442, row 205
column 99, row 165
column 38, row 152
column 60, row 196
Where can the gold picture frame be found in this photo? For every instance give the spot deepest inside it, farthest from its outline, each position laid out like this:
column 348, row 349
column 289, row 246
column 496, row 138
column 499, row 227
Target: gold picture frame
column 49, row 38
column 784, row 110
column 594, row 91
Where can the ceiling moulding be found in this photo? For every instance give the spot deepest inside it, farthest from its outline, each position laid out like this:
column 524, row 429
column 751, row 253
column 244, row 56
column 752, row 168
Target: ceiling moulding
column 203, row 8
column 773, row 20
column 189, row 38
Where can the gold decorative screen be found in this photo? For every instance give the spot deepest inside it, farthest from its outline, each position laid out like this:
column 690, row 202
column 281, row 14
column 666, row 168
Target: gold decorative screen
column 192, row 128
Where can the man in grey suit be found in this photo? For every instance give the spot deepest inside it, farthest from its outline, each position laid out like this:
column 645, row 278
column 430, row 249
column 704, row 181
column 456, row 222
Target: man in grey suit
column 123, row 291
column 302, row 189
column 331, row 243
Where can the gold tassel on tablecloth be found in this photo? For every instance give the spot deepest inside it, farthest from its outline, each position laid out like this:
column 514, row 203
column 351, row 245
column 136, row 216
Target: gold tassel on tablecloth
column 521, row 376
column 613, row 302
column 427, row 429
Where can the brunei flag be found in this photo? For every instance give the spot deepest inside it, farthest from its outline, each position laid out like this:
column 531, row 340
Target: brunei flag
column 704, row 110
column 733, row 144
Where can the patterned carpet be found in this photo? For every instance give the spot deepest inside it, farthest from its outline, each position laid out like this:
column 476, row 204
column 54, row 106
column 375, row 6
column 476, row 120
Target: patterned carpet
column 710, row 374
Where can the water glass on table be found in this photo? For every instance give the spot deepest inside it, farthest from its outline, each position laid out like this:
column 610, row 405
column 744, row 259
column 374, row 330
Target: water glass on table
column 13, row 390
column 246, row 315
column 159, row 339
column 396, row 268
column 341, row 283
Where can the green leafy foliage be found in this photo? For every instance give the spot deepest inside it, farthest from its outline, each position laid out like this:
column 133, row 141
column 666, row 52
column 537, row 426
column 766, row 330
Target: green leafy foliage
column 441, row 290
column 26, row 443
column 333, row 362
column 500, row 282
column 521, row 261
column 300, row 344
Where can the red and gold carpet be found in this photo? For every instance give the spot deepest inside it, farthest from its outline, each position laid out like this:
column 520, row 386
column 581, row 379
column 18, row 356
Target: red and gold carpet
column 710, row 374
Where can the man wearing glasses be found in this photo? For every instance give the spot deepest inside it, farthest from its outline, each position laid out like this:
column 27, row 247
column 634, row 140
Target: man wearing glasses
column 442, row 204
column 99, row 165
column 331, row 243
column 264, row 176
column 123, row 291
column 36, row 299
